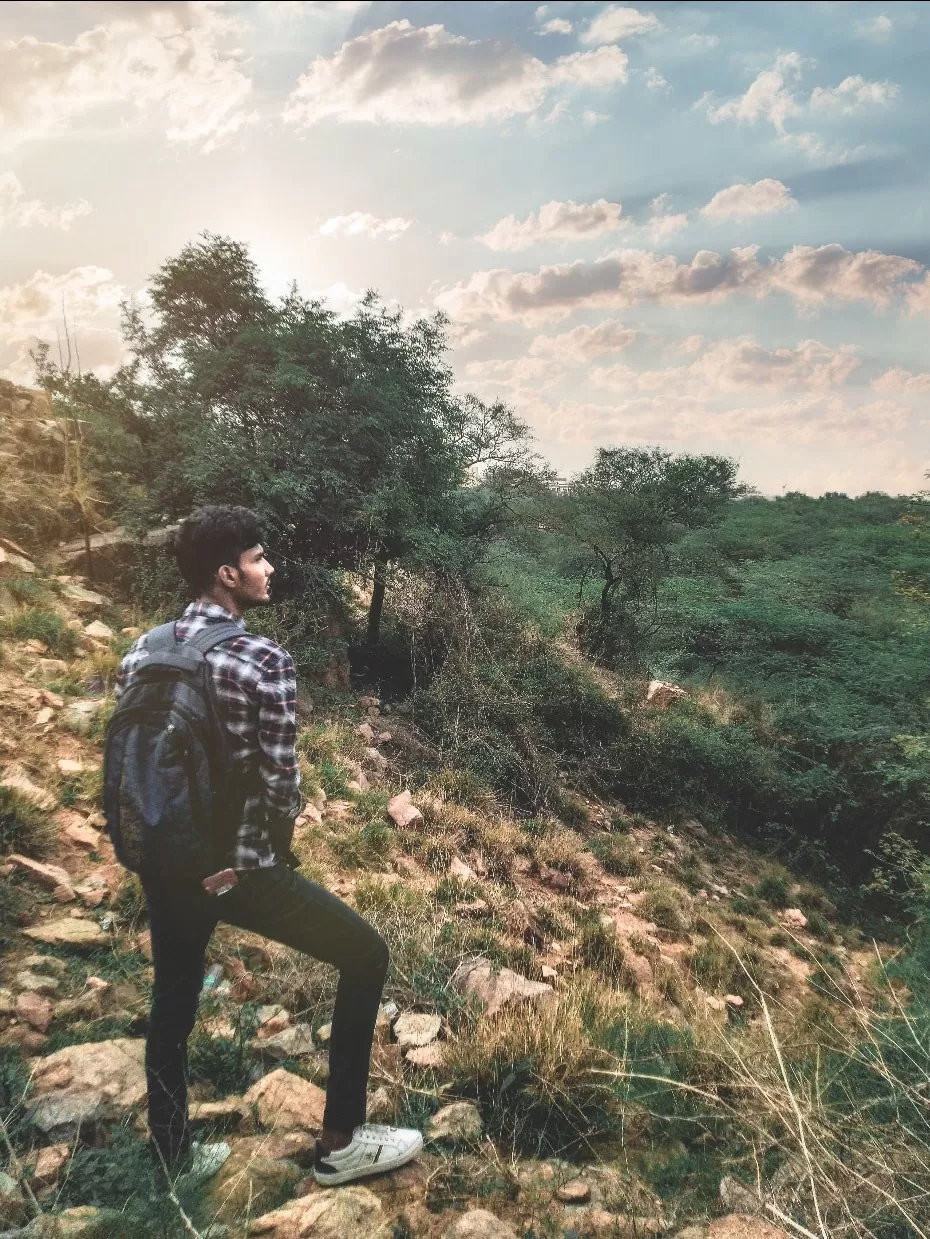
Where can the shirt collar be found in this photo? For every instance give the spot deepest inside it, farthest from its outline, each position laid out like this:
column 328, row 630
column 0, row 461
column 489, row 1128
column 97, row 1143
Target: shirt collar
column 212, row 611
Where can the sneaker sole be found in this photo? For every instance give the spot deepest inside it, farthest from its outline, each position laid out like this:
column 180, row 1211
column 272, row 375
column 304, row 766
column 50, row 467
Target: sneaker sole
column 364, row 1172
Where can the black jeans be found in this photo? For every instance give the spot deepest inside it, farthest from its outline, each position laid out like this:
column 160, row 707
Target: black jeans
column 281, row 905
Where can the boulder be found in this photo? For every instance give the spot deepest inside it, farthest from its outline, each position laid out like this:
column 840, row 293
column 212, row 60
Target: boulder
column 293, row 1042
column 69, row 931
column 365, row 731
column 287, row 1102
column 15, row 779
column 427, row 1057
column 112, row 549
column 744, row 1226
column 49, row 875
column 576, row 1192
column 34, row 1010
column 49, row 1164
column 68, row 766
column 331, row 1214
column 794, row 918
column 83, row 601
column 458, row 1121
column 414, row 1029
column 12, row 564
column 101, row 1081
column 36, row 983
column 80, row 716
column 99, row 631
column 402, row 811
column 83, row 835
column 661, row 695
column 458, row 869
column 479, row 1224
column 249, row 1181
column 476, row 977
column 12, row 1202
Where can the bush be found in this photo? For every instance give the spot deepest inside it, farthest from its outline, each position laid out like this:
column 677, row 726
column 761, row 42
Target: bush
column 23, row 828
column 37, row 624
column 666, row 905
column 617, row 856
column 773, row 889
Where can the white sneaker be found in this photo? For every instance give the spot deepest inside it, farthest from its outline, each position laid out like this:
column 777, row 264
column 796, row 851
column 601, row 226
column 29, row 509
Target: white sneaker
column 373, row 1149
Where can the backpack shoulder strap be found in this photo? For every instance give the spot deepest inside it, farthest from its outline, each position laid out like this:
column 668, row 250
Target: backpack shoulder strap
column 212, row 635
column 162, row 639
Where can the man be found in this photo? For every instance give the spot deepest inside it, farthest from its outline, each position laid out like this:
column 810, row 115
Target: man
column 220, row 556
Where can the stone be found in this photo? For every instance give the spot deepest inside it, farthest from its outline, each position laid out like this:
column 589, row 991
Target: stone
column 36, row 983
column 427, row 1057
column 287, row 1102
column 577, row 1192
column 83, row 835
column 376, row 758
column 69, row 931
column 458, row 1121
column 479, row 1224
column 7, row 1003
column 476, row 977
column 80, row 716
column 84, row 601
column 458, row 869
column 48, row 875
column 369, row 703
column 794, row 918
column 16, row 780
column 293, row 1042
column 34, row 1010
column 250, row 1180
column 12, row 564
column 229, row 1111
column 323, row 1033
column 737, row 1197
column 733, row 1000
column 330, row 1214
column 67, row 766
column 661, row 695
column 272, row 1023
column 365, row 731
column 50, row 1163
column 402, row 812
column 101, row 1081
column 12, row 1203
column 744, row 1226
column 44, row 717
column 414, row 1029
column 98, row 630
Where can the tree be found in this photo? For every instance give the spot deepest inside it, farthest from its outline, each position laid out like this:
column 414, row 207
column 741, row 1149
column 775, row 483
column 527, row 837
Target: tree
column 625, row 513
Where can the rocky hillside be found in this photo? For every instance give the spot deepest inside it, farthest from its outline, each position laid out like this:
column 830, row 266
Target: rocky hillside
column 544, row 974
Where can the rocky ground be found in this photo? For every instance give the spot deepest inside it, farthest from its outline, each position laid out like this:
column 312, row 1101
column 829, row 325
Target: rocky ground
column 524, row 922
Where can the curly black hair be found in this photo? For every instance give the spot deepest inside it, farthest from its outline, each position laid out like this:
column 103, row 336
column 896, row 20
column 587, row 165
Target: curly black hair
column 213, row 536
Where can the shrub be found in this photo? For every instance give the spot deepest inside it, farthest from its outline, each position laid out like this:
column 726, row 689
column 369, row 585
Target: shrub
column 599, row 949
column 773, row 889
column 617, row 856
column 666, row 905
column 35, row 623
column 23, row 828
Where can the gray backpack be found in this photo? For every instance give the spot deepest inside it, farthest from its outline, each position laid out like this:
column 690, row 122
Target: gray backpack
column 168, row 772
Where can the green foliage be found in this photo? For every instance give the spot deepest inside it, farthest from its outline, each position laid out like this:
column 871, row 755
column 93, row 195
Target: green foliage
column 617, row 856
column 224, row 1062
column 23, row 828
column 35, row 623
column 666, row 905
column 773, row 889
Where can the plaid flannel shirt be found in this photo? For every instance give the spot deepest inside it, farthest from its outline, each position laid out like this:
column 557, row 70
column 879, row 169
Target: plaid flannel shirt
column 256, row 690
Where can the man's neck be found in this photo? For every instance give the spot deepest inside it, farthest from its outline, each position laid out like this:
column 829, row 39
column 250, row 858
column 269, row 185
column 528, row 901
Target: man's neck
column 221, row 598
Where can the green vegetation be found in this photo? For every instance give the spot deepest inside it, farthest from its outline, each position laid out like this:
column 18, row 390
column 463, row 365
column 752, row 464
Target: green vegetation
column 37, row 624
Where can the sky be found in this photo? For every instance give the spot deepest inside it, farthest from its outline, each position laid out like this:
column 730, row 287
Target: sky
column 698, row 226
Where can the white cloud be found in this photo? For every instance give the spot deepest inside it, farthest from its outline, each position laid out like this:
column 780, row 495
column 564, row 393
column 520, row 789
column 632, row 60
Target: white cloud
column 557, row 25
column 402, row 74
column 877, row 29
column 665, row 223
column 774, row 97
column 89, row 296
column 176, row 67
column 764, row 197
column 655, row 81
column 584, row 343
column 810, row 275
column 21, row 212
column 556, row 221
column 903, row 382
column 590, row 118
column 701, row 42
column 852, row 95
column 618, row 22
column 360, row 223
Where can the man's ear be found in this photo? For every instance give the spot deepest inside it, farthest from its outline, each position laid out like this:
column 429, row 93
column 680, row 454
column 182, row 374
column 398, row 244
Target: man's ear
column 226, row 576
